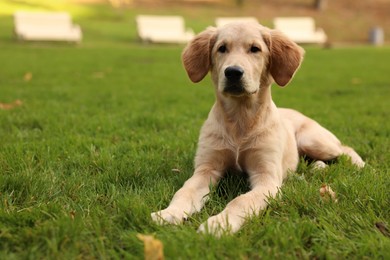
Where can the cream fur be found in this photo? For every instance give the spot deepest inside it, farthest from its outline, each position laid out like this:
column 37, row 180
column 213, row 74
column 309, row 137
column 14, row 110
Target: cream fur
column 245, row 130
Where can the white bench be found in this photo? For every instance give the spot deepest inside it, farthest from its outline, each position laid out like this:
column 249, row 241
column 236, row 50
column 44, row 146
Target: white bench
column 221, row 21
column 163, row 29
column 300, row 29
column 46, row 26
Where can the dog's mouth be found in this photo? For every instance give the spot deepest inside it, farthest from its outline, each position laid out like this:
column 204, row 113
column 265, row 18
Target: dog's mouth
column 237, row 90
column 234, row 89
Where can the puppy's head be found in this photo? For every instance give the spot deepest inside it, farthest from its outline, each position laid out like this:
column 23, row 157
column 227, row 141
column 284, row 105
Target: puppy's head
column 242, row 58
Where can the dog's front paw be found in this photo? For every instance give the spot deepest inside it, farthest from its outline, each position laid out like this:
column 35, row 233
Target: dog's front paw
column 169, row 216
column 218, row 225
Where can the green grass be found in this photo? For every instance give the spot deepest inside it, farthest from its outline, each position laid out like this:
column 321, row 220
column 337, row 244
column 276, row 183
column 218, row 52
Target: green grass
column 89, row 155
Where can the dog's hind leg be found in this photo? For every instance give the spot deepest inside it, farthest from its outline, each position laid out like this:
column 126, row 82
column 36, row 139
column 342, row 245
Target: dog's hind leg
column 355, row 158
column 318, row 143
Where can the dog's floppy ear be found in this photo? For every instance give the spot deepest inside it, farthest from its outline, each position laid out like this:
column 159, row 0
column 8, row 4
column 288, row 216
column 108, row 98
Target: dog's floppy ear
column 286, row 57
column 197, row 55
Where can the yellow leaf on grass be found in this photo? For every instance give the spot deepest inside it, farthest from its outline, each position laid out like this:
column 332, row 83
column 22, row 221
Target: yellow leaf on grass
column 72, row 214
column 27, row 77
column 98, row 75
column 327, row 193
column 8, row 106
column 153, row 248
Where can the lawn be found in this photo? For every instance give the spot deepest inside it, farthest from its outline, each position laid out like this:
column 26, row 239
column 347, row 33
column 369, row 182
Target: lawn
column 107, row 132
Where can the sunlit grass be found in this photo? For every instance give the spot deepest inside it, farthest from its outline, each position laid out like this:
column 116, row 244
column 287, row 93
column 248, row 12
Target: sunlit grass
column 8, row 7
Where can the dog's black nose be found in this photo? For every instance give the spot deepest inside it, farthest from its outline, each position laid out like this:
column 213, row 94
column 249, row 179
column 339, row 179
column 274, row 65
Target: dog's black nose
column 234, row 73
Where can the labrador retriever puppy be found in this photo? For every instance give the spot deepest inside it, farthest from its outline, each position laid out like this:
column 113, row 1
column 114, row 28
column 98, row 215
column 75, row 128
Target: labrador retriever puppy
column 244, row 129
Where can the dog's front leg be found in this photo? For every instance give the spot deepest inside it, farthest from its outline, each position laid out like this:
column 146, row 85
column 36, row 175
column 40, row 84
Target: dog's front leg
column 244, row 206
column 192, row 196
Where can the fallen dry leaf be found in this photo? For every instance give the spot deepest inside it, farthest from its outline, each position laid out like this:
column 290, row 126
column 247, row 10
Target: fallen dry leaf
column 327, row 193
column 8, row 106
column 383, row 228
column 27, row 77
column 72, row 214
column 153, row 248
column 98, row 75
column 356, row 81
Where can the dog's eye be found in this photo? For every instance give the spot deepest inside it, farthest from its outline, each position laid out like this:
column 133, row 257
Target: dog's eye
column 222, row 49
column 255, row 49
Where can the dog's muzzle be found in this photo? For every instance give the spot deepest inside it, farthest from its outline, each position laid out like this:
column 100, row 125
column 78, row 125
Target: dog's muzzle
column 233, row 75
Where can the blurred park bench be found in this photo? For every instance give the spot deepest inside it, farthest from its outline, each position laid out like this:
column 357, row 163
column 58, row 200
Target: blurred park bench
column 46, row 26
column 221, row 21
column 163, row 29
column 300, row 29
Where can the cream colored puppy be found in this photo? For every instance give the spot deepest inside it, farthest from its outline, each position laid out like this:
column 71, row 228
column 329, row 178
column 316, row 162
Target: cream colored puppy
column 244, row 129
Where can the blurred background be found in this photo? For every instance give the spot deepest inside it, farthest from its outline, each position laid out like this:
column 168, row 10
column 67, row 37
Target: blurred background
column 344, row 21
